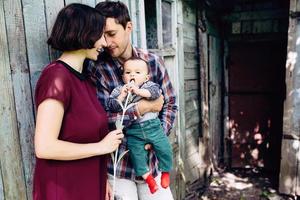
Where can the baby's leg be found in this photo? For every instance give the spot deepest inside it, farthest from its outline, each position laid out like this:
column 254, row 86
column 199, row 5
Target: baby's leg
column 163, row 152
column 139, row 158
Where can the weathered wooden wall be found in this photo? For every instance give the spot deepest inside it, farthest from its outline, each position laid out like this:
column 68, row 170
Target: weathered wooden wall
column 191, row 90
column 24, row 28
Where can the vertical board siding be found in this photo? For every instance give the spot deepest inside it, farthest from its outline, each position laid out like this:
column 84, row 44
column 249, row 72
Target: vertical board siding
column 1, row 185
column 52, row 8
column 36, row 36
column 10, row 160
column 289, row 166
column 25, row 26
column 21, row 86
column 72, row 1
column 215, row 95
column 91, row 3
column 133, row 15
column 142, row 24
column 180, row 190
column 191, row 77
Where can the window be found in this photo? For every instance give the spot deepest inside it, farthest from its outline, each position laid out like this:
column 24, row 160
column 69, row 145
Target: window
column 151, row 24
column 167, row 23
column 159, row 24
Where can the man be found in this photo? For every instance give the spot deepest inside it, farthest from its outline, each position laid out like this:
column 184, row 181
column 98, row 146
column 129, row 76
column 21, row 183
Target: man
column 107, row 72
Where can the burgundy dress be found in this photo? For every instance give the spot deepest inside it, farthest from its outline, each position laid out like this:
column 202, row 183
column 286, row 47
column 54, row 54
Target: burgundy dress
column 84, row 121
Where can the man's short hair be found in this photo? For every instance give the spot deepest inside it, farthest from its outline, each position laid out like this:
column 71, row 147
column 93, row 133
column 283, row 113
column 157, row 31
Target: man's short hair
column 116, row 10
column 77, row 26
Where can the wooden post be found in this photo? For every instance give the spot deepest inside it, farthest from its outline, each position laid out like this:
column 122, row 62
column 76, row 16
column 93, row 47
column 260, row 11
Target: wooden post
column 289, row 169
column 204, row 139
column 11, row 165
column 180, row 178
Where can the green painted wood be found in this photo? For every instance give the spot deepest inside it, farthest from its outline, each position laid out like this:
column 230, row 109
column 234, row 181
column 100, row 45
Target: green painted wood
column 13, row 181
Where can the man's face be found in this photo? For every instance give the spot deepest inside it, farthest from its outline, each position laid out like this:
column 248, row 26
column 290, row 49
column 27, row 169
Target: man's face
column 117, row 37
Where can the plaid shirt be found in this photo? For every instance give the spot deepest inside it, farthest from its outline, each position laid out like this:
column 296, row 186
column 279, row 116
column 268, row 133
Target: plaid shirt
column 107, row 75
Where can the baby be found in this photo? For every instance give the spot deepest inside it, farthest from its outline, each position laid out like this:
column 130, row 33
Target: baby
column 147, row 129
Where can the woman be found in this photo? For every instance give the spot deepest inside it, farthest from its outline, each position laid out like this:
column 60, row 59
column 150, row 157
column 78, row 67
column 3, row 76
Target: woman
column 71, row 136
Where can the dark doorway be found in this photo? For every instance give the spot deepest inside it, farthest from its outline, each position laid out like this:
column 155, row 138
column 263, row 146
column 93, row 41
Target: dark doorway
column 256, row 94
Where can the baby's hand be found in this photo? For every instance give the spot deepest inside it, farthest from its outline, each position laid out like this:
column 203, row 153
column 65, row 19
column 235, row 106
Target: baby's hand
column 134, row 89
column 123, row 93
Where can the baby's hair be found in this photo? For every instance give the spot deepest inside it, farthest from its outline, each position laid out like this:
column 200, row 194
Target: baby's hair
column 137, row 58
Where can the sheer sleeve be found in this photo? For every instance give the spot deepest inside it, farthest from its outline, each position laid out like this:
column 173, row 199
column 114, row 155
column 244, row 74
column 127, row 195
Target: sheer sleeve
column 53, row 84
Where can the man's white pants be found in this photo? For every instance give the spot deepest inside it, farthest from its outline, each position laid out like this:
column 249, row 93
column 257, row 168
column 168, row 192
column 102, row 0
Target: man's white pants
column 127, row 189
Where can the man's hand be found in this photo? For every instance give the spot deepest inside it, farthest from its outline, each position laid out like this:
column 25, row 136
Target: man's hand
column 145, row 106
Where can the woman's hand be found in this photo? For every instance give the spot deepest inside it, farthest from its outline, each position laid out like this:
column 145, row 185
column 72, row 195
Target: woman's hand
column 109, row 192
column 111, row 141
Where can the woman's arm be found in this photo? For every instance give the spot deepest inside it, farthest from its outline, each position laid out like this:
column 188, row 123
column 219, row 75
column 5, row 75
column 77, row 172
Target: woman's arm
column 47, row 145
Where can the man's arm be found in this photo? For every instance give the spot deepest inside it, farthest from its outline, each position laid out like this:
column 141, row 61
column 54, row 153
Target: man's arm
column 169, row 109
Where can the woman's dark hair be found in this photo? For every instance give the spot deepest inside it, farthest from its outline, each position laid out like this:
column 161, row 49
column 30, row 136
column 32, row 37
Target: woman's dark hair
column 77, row 26
column 113, row 9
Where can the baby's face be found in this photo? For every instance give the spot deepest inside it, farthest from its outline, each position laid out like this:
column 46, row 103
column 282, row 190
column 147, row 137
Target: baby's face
column 136, row 70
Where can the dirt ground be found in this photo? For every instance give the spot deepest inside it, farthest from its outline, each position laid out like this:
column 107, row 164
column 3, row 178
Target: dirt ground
column 239, row 184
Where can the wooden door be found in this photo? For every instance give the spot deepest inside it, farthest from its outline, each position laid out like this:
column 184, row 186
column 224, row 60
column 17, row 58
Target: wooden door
column 256, row 85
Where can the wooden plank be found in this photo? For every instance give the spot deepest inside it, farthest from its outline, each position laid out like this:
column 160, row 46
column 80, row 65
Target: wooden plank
column 288, row 168
column 21, row 87
column 192, row 170
column 72, row 1
column 159, row 24
column 89, row 2
column 215, row 110
column 181, row 102
column 191, row 30
column 36, row 36
column 52, row 8
column 191, row 73
column 142, row 24
column 190, row 60
column 290, row 151
column 190, row 95
column 190, row 46
column 192, row 106
column 11, row 164
column 192, row 119
column 1, row 185
column 189, row 12
column 134, row 19
column 226, row 105
column 191, row 85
